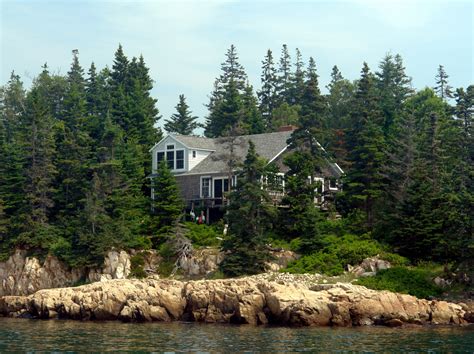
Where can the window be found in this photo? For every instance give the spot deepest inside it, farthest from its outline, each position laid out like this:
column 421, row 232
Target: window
column 332, row 183
column 170, row 159
column 179, row 159
column 205, row 187
column 160, row 157
column 194, row 154
column 169, row 147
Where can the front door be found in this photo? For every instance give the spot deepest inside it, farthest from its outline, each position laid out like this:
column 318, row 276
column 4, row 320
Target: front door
column 218, row 191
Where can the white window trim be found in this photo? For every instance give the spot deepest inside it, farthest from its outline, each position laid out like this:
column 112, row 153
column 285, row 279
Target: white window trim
column 175, row 150
column 211, row 189
column 222, row 178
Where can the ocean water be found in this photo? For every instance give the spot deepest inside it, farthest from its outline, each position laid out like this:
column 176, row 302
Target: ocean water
column 23, row 335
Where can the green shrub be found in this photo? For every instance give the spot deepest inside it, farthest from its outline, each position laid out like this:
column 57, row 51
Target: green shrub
column 413, row 281
column 203, row 235
column 338, row 251
column 165, row 268
column 136, row 266
column 317, row 262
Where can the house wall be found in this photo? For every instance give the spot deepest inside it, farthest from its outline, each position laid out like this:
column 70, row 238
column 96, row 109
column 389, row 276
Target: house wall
column 190, row 185
column 193, row 161
column 161, row 146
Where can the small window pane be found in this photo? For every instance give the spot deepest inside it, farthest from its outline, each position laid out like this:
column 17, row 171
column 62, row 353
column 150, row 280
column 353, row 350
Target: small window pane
column 170, row 159
column 160, row 156
column 169, row 147
column 206, row 187
column 194, row 153
column 179, row 159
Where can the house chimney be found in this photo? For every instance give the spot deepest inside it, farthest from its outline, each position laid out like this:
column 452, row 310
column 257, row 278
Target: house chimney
column 287, row 128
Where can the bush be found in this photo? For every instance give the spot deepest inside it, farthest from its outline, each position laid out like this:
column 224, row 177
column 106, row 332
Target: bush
column 136, row 266
column 203, row 235
column 414, row 281
column 317, row 262
column 338, row 251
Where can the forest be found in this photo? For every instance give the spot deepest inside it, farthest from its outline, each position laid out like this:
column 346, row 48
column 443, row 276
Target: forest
column 74, row 163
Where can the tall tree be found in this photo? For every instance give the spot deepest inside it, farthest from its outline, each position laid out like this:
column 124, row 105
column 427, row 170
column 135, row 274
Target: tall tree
column 339, row 105
column 298, row 79
column 226, row 97
column 267, row 94
column 167, row 204
column 442, row 88
column 364, row 183
column 182, row 122
column 284, row 76
column 252, row 121
column 244, row 246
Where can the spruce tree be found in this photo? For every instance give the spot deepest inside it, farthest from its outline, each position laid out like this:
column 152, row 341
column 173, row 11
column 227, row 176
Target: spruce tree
column 267, row 94
column 284, row 83
column 244, row 246
column 365, row 181
column 182, row 122
column 442, row 88
column 167, row 205
column 298, row 80
column 252, row 121
column 226, row 97
column 339, row 106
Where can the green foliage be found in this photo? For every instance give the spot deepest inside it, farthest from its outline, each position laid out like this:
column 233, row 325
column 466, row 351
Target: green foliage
column 182, row 122
column 136, row 266
column 244, row 245
column 338, row 252
column 414, row 281
column 203, row 235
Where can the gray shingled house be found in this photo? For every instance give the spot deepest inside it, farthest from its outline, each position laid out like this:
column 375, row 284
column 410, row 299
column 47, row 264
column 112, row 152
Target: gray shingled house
column 202, row 171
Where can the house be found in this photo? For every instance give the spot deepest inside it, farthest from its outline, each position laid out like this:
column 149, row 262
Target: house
column 202, row 170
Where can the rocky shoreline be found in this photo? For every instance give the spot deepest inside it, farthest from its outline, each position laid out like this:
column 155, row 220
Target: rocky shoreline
column 263, row 299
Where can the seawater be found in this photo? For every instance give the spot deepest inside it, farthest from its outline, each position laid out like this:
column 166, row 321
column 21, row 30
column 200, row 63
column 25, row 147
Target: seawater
column 22, row 335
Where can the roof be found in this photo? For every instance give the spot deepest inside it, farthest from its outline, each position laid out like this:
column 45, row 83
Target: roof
column 196, row 142
column 267, row 146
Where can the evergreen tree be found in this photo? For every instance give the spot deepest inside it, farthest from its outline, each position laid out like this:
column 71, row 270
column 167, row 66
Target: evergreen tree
column 167, row 204
column 393, row 86
column 40, row 149
column 298, row 79
column 364, row 182
column 227, row 113
column 442, row 88
column 182, row 122
column 339, row 106
column 267, row 94
column 284, row 80
column 244, row 246
column 252, row 121
column 226, row 97
column 73, row 145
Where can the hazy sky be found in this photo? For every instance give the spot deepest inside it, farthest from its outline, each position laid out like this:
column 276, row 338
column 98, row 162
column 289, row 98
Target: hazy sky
column 184, row 42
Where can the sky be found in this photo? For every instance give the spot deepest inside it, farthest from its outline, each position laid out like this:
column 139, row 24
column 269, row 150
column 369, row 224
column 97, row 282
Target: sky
column 184, row 42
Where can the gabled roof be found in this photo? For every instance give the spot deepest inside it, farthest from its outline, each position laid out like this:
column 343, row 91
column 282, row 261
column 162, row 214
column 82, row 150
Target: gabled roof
column 267, row 146
column 196, row 142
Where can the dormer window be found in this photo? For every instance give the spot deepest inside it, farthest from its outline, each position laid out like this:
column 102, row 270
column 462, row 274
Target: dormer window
column 194, row 154
column 174, row 158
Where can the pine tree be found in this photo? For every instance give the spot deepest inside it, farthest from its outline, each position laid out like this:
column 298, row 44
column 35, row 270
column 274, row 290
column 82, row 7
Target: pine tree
column 244, row 246
column 181, row 122
column 393, row 86
column 339, row 105
column 284, row 83
column 226, row 97
column 364, row 182
column 252, row 121
column 267, row 94
column 40, row 150
column 227, row 113
column 73, row 145
column 442, row 88
column 167, row 204
column 298, row 80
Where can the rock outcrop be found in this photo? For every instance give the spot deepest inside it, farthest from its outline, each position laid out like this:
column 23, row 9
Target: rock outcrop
column 251, row 300
column 369, row 266
column 24, row 275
